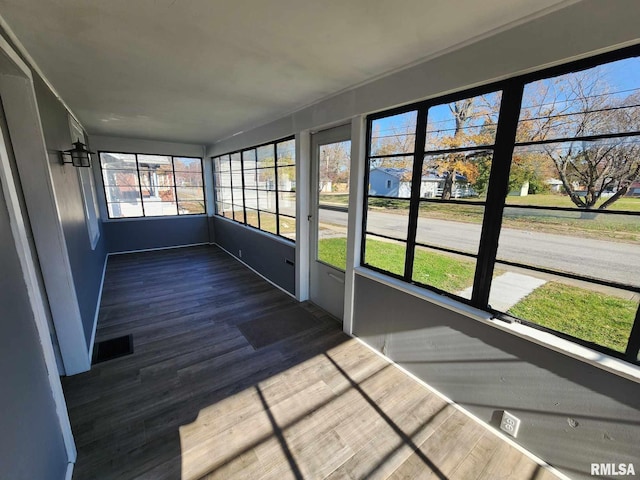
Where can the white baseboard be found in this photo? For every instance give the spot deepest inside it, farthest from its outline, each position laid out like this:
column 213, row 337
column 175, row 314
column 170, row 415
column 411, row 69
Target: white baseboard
column 69, row 473
column 158, row 248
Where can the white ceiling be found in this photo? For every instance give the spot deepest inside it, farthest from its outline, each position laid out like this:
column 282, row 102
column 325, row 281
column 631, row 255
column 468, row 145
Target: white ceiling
column 198, row 71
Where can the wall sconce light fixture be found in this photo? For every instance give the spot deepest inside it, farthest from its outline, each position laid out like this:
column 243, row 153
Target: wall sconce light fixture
column 79, row 155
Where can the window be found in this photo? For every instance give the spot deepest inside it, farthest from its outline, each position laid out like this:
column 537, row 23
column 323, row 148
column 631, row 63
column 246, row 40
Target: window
column 138, row 185
column 257, row 187
column 518, row 198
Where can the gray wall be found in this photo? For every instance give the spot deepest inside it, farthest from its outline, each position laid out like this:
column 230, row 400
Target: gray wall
column 31, row 444
column 141, row 234
column 487, row 370
column 86, row 264
column 261, row 251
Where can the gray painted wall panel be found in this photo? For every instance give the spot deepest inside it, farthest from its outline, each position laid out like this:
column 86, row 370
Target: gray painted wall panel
column 262, row 252
column 86, row 264
column 159, row 232
column 487, row 370
column 31, row 444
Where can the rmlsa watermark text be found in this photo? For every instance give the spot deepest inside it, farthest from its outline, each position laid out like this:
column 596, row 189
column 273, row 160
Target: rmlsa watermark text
column 621, row 469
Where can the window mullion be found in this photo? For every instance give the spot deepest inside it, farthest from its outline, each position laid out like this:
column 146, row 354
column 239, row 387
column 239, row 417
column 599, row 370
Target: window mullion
column 140, row 185
column 244, row 197
column 275, row 175
column 497, row 191
column 633, row 346
column 175, row 188
column 414, row 205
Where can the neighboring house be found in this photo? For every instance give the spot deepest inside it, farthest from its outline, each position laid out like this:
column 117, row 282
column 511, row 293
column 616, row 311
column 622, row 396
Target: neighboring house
column 394, row 182
column 555, row 185
column 387, row 182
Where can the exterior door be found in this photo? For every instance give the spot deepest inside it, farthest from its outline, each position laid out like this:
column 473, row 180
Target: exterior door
column 331, row 156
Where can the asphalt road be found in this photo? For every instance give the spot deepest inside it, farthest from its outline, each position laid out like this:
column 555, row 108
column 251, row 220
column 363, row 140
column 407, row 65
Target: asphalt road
column 613, row 261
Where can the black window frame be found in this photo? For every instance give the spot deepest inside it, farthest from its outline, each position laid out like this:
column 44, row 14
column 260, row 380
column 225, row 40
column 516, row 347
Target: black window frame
column 496, row 199
column 259, row 211
column 137, row 172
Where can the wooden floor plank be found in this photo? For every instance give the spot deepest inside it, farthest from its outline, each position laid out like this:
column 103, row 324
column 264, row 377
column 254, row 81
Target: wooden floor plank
column 196, row 400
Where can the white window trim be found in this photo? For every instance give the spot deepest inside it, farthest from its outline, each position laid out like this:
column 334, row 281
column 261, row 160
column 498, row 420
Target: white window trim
column 87, row 188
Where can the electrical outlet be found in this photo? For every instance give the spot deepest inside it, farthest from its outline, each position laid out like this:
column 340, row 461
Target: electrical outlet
column 239, row 253
column 510, row 424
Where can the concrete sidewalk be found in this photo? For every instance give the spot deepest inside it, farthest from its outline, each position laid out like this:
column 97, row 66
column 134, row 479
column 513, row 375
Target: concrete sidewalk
column 508, row 289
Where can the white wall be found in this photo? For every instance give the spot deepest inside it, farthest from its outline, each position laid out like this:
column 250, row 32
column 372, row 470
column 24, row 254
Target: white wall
column 579, row 30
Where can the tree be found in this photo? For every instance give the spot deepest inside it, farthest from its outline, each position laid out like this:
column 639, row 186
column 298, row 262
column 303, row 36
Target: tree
column 580, row 105
column 334, row 164
column 469, row 122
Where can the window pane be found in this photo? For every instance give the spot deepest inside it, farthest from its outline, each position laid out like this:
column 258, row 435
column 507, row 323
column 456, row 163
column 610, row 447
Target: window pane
column 184, row 164
column 287, row 179
column 576, row 174
column 287, row 203
column 153, row 180
column 591, row 244
column 191, row 207
column 333, row 172
column 122, row 210
column 388, row 217
column 465, row 123
column 250, row 179
column 600, row 100
column 266, row 157
column 267, row 201
column 268, row 222
column 121, row 161
column 187, row 179
column 189, row 193
column 249, row 161
column 223, row 209
column 221, row 164
column 162, row 194
column 591, row 312
column 266, row 178
column 236, row 179
column 157, row 163
column 462, row 175
column 395, row 134
column 445, row 271
column 252, row 217
column 223, row 179
column 120, row 178
column 158, row 208
column 385, row 254
column 332, row 237
column 236, row 163
column 391, row 177
column 223, row 195
column 449, row 225
column 251, row 199
column 287, row 227
column 123, row 194
column 286, row 153
column 238, row 213
column 237, row 196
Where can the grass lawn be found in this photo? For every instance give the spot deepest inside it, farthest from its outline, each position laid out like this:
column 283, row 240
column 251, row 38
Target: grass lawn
column 441, row 271
column 557, row 200
column 592, row 316
column 333, row 251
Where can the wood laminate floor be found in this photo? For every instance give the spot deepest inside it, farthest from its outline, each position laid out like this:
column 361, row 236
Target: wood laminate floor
column 197, row 400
